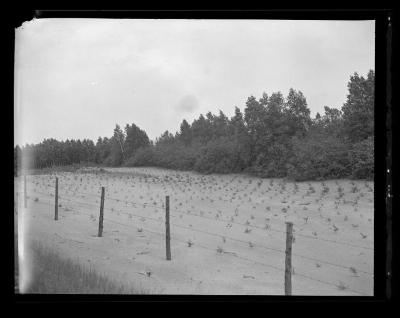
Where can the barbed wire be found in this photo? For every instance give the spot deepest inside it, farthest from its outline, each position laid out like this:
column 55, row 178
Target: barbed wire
column 219, row 220
column 145, row 204
column 245, row 225
column 248, row 259
column 329, row 283
column 333, row 241
column 270, row 217
column 242, row 241
column 234, row 254
column 274, row 230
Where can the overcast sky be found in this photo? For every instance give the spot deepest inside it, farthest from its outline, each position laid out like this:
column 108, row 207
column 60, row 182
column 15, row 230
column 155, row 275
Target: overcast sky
column 77, row 78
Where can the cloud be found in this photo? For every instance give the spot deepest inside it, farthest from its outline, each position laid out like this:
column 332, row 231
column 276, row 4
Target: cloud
column 72, row 73
column 187, row 104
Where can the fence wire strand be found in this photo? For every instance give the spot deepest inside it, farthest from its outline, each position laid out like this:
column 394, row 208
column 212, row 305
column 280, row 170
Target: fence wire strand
column 64, row 196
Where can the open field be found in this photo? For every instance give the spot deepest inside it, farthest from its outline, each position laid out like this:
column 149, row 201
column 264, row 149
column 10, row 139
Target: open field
column 227, row 231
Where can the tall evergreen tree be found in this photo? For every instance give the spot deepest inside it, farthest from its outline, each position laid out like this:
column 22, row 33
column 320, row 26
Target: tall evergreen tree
column 135, row 139
column 116, row 156
column 199, row 130
column 358, row 111
column 185, row 133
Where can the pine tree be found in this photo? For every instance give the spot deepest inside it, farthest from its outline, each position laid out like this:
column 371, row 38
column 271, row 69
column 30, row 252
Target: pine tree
column 358, row 111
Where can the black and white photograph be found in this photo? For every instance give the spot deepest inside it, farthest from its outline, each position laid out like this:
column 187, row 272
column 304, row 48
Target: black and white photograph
column 194, row 156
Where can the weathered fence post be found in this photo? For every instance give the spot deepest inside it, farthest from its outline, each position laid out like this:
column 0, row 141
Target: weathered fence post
column 168, row 237
column 56, row 202
column 25, row 197
column 101, row 213
column 288, row 259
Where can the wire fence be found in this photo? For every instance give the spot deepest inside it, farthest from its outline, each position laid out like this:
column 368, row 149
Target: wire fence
column 228, row 222
column 73, row 200
column 225, row 221
column 230, row 238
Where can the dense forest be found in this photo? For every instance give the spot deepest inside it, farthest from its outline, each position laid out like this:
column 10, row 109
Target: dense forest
column 274, row 137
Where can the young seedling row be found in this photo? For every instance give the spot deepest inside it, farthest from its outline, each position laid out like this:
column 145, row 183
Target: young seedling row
column 229, row 226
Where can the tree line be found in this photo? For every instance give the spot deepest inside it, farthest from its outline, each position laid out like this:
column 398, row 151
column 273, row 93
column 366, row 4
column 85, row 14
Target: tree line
column 275, row 136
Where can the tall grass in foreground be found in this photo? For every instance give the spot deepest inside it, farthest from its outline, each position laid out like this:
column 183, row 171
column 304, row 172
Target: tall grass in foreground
column 52, row 274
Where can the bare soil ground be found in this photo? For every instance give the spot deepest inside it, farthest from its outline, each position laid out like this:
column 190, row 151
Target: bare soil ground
column 228, row 231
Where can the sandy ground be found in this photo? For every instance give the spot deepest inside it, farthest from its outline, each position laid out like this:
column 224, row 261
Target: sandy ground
column 228, row 231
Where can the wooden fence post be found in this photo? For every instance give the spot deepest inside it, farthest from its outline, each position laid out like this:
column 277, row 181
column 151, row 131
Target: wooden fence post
column 101, row 213
column 168, row 237
column 25, row 197
column 56, row 202
column 288, row 259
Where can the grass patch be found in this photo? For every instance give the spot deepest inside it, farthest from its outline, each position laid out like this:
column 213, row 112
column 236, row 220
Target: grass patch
column 53, row 274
